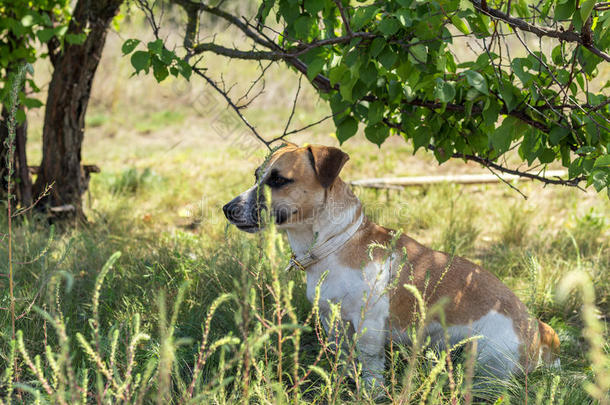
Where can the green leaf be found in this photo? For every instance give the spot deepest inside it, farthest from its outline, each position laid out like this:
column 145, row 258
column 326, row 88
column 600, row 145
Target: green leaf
column 20, row 116
column 602, row 161
column 389, row 26
column 388, row 58
column 394, row 90
column 508, row 97
column 444, row 91
column 347, row 129
column 563, row 11
column 530, row 146
column 585, row 9
column 404, row 17
column 45, row 35
column 575, row 167
column 377, row 46
column 377, row 133
column 376, row 109
column 476, row 80
column 502, row 137
column 557, row 55
column 314, row 6
column 32, row 103
column 522, row 9
column 167, row 56
column 264, row 10
column 160, row 71
column 600, row 180
column 60, row 30
column 16, row 27
column 129, row 46
column 346, row 85
column 314, row 68
column 336, row 74
column 460, row 24
column 155, row 46
column 466, row 5
column 76, row 39
column 557, row 133
column 362, row 16
column 547, row 156
column 140, row 60
column 519, row 66
column 184, row 68
column 418, row 53
column 421, row 138
column 368, row 73
column 303, row 26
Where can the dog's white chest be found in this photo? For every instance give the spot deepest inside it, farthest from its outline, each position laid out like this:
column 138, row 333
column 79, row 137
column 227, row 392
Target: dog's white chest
column 361, row 292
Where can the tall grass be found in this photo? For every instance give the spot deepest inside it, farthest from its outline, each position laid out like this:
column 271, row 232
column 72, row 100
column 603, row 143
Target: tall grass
column 258, row 341
column 174, row 320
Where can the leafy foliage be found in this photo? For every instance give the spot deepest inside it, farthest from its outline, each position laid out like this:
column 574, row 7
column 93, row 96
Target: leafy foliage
column 162, row 60
column 453, row 76
column 23, row 27
column 399, row 73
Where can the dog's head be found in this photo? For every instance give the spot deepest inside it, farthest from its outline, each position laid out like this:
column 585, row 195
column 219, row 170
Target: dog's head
column 299, row 178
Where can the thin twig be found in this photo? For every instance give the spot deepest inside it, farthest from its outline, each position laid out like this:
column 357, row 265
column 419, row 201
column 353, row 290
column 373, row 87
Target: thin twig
column 508, row 183
column 346, row 23
column 294, row 105
column 231, row 104
column 569, row 36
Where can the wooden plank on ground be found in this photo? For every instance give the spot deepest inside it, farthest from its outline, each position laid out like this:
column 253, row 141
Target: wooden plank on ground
column 400, row 182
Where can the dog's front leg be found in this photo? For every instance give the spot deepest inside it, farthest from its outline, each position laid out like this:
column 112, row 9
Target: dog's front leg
column 371, row 340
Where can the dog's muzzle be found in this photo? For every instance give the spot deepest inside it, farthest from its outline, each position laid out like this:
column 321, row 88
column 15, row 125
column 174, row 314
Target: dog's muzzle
column 244, row 211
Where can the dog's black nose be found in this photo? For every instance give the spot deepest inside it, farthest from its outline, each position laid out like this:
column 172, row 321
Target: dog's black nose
column 227, row 210
column 232, row 209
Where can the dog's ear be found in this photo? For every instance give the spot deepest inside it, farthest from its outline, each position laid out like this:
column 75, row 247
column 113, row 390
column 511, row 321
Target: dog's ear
column 327, row 161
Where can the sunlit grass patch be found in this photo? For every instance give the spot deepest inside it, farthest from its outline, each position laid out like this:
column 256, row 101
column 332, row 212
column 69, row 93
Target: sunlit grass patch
column 158, row 120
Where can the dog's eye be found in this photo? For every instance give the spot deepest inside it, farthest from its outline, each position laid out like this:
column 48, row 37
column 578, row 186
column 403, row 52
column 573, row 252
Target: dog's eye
column 277, row 181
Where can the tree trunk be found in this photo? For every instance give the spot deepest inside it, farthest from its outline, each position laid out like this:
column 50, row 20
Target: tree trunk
column 22, row 184
column 21, row 181
column 67, row 100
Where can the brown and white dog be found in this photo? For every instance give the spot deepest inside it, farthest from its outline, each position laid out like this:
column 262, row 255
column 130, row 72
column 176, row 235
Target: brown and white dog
column 328, row 231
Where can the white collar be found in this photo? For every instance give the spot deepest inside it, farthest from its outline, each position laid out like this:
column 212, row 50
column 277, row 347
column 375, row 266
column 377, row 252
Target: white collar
column 317, row 253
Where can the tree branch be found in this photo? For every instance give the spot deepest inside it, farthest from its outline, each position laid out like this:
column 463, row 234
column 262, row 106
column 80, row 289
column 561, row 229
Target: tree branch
column 569, row 36
column 488, row 163
column 348, row 29
column 235, row 108
column 235, row 53
column 492, row 165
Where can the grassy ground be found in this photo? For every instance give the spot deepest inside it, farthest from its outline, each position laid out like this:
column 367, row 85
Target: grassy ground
column 171, row 155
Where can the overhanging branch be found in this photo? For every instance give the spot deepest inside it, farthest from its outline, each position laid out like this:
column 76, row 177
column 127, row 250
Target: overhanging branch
column 569, row 36
column 490, row 164
column 265, row 47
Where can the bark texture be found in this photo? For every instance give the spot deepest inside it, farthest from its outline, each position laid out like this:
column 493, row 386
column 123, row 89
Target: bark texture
column 67, row 100
column 22, row 184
